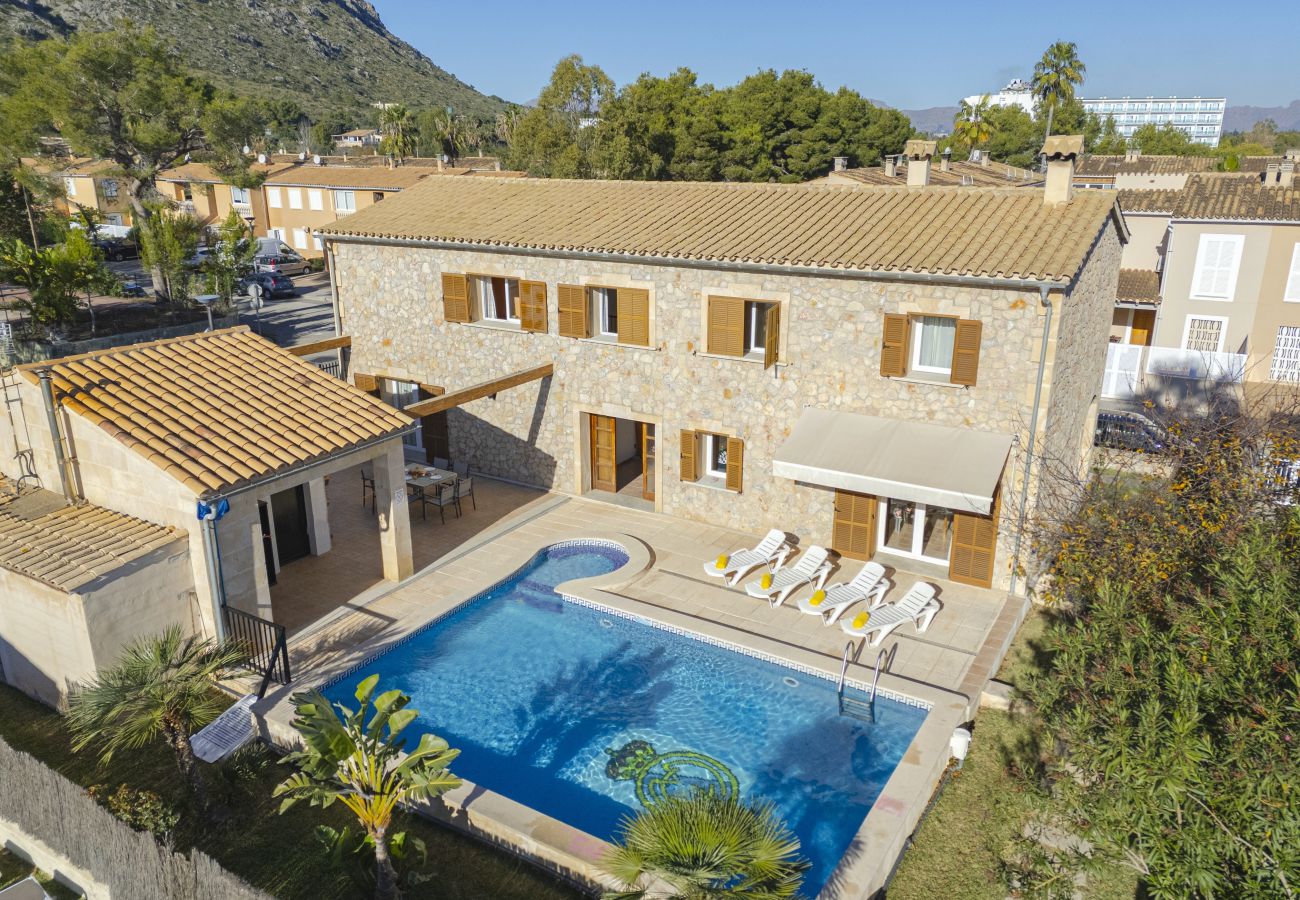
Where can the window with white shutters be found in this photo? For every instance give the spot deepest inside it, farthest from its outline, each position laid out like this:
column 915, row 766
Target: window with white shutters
column 1217, row 259
column 1286, row 354
column 1292, row 292
column 1204, row 335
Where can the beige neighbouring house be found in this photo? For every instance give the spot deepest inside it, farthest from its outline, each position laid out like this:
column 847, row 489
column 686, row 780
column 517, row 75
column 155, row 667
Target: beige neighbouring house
column 93, row 184
column 198, row 190
column 722, row 352
column 207, row 453
column 1210, row 297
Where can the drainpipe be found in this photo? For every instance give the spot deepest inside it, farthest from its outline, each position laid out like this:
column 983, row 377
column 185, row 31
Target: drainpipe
column 212, row 563
column 47, row 393
column 1033, row 433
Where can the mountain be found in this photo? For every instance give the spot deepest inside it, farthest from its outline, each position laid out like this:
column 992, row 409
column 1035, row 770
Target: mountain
column 326, row 55
column 932, row 119
column 1243, row 118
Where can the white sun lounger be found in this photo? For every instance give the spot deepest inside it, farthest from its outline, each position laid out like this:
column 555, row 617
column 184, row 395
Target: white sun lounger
column 771, row 551
column 869, row 583
column 811, row 566
column 917, row 605
column 227, row 732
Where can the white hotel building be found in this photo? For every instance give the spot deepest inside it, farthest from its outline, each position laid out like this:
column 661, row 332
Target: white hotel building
column 1200, row 118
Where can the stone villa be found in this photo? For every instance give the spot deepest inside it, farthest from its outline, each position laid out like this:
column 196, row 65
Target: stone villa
column 875, row 369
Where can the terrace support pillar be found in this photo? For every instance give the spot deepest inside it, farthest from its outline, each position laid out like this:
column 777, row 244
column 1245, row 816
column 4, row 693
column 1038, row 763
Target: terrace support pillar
column 394, row 516
column 318, row 521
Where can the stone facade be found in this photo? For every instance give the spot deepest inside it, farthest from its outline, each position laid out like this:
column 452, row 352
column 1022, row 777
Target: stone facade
column 390, row 303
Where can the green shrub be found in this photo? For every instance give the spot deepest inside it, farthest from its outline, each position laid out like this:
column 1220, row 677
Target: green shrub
column 142, row 810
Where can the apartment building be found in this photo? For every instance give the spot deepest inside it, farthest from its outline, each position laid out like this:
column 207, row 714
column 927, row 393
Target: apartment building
column 871, row 368
column 1210, row 294
column 1018, row 92
column 917, row 166
column 358, row 139
column 1200, row 118
column 93, row 184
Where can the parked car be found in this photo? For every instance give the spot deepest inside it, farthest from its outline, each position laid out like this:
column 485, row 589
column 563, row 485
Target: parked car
column 273, row 284
column 201, row 255
column 1129, row 431
column 132, row 289
column 117, row 249
column 283, row 263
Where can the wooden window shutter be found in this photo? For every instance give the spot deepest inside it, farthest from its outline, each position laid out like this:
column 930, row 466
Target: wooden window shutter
column 455, row 298
column 974, row 547
column 367, row 383
column 571, row 301
column 634, row 316
column 532, row 305
column 690, row 463
column 853, row 529
column 735, row 464
column 966, row 352
column 893, row 345
column 772, row 331
column 726, row 326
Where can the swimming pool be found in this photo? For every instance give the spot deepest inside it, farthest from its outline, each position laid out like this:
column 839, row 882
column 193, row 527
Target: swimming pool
column 585, row 715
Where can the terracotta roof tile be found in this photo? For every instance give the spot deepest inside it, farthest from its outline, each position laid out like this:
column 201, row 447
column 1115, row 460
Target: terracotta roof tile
column 1007, row 232
column 1103, row 164
column 1218, row 197
column 1138, row 286
column 217, row 409
column 70, row 547
column 357, row 177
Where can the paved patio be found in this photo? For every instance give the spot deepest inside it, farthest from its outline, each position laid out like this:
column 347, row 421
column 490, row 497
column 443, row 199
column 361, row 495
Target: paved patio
column 957, row 653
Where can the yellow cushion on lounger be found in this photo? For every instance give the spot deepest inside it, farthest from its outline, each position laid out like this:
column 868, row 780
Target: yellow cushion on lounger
column 723, row 559
column 861, row 619
column 766, row 581
column 817, row 598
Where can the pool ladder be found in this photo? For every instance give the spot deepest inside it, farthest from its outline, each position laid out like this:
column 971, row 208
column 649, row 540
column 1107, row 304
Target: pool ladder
column 864, row 710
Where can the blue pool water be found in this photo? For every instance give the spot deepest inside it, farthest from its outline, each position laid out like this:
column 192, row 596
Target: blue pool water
column 578, row 713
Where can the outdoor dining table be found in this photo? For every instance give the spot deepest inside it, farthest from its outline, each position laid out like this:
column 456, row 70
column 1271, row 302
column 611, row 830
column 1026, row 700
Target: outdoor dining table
column 418, row 478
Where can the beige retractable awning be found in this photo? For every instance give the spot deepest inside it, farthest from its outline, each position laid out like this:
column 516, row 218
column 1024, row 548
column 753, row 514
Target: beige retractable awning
column 934, row 464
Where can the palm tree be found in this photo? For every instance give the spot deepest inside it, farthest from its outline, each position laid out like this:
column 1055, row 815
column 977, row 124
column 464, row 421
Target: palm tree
column 360, row 764
column 704, row 845
column 161, row 687
column 1056, row 76
column 398, row 127
column 971, row 126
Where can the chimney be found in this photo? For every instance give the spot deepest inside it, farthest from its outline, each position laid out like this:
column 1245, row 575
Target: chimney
column 1132, row 154
column 1292, row 154
column 985, row 159
column 841, row 163
column 919, row 154
column 1060, row 153
column 891, row 166
column 1272, row 174
column 1286, row 175
column 945, row 161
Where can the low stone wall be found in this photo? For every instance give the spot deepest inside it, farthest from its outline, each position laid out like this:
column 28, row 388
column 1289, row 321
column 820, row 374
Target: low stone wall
column 36, row 351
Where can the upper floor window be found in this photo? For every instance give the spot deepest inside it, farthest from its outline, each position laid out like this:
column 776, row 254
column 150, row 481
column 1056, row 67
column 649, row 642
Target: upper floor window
column 1291, row 294
column 345, row 202
column 295, row 198
column 744, row 328
column 498, row 298
column 1286, row 354
column 934, row 348
column 605, row 301
column 273, row 197
column 110, row 188
column 1204, row 334
column 239, row 195
column 1217, row 259
column 315, row 199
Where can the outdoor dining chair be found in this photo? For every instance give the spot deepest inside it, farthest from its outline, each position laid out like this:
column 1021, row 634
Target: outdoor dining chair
column 461, row 469
column 440, row 463
column 465, row 488
column 441, row 496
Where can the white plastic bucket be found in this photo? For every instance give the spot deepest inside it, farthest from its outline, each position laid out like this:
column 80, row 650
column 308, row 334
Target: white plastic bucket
column 959, row 744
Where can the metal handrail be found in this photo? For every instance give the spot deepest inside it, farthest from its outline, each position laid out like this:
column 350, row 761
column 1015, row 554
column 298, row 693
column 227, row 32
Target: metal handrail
column 880, row 661
column 844, row 668
column 264, row 643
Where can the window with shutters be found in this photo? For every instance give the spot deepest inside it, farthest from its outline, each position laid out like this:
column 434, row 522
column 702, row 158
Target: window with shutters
column 1292, row 292
column 1204, row 334
column 1217, row 259
column 932, row 342
column 618, row 315
column 713, row 460
column 273, row 197
column 1286, row 355
column 942, row 349
column 747, row 329
column 295, row 198
column 497, row 299
column 315, row 199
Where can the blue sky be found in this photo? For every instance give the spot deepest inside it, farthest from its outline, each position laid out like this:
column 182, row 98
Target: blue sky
column 1136, row 48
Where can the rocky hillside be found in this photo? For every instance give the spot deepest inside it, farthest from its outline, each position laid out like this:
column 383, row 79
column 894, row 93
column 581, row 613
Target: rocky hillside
column 323, row 54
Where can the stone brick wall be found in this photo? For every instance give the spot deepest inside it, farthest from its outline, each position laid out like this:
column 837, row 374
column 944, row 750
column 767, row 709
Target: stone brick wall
column 391, row 305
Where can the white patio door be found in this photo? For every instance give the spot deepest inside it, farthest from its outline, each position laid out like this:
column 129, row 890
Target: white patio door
column 401, row 394
column 1123, row 371
column 914, row 529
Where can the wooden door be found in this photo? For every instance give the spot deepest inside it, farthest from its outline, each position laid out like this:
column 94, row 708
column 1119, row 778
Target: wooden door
column 853, row 534
column 1144, row 322
column 647, row 461
column 604, row 454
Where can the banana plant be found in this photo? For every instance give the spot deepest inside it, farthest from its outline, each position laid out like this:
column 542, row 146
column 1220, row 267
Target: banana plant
column 359, row 758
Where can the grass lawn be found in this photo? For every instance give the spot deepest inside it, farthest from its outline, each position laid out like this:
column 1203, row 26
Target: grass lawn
column 276, row 853
column 958, row 849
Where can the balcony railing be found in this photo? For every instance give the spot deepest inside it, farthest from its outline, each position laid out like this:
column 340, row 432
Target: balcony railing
column 264, row 644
